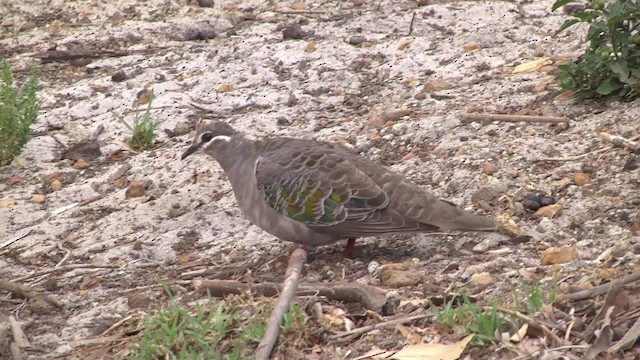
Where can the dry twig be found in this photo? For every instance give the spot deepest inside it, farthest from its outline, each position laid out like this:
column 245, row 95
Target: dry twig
column 413, row 18
column 296, row 12
column 370, row 297
column 27, row 292
column 18, row 334
column 514, row 118
column 292, row 277
column 620, row 141
column 352, row 334
column 602, row 289
column 533, row 323
column 66, row 268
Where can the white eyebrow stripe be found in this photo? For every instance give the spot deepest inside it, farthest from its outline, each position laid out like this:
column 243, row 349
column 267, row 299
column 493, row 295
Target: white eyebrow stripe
column 224, row 138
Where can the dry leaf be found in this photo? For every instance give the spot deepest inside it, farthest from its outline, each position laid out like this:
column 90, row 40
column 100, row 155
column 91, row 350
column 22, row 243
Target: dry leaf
column 433, row 351
column 543, row 83
column 530, row 66
column 412, row 337
column 517, row 337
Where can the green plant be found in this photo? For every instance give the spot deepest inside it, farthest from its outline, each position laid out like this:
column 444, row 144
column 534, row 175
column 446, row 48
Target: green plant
column 18, row 110
column 225, row 330
column 534, row 296
column 142, row 128
column 610, row 66
column 466, row 317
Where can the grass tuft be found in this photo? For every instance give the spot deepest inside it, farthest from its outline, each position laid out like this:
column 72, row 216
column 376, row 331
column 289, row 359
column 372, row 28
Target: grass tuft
column 142, row 128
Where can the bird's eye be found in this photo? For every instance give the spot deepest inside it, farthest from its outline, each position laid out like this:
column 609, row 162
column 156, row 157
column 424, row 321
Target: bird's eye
column 206, row 137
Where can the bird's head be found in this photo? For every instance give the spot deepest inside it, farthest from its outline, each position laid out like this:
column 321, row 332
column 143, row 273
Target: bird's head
column 210, row 136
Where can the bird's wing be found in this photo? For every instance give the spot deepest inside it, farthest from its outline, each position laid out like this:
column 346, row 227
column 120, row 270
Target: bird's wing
column 315, row 184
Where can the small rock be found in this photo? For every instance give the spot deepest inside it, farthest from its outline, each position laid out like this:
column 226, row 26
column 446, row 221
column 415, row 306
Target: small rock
column 559, row 255
column 547, row 200
column 373, row 267
column 544, row 225
column 181, row 129
column 299, row 5
column 549, row 211
column 420, row 96
column 399, row 128
column 225, row 88
column 485, row 245
column 356, row 40
column 206, row 3
column 291, row 100
column 470, row 47
column 81, row 164
column 13, row 180
column 489, row 168
column 7, row 203
column 436, row 85
column 581, row 179
column 294, row 31
column 56, row 185
column 37, row 199
column 400, row 275
column 630, row 164
column 135, row 189
column 482, row 279
column 311, row 47
column 85, row 149
column 138, row 300
column 507, row 226
column 119, row 76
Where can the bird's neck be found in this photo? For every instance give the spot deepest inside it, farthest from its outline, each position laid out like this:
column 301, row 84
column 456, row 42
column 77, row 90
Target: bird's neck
column 237, row 158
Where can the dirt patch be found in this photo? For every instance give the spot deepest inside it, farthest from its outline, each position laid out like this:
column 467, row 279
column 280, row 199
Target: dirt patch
column 355, row 77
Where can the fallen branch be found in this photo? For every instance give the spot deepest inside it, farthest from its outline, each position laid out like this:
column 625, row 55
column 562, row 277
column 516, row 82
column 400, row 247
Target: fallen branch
column 514, row 118
column 60, row 55
column 20, row 236
column 292, row 277
column 352, row 334
column 370, row 297
column 601, row 289
column 27, row 292
column 19, row 336
column 533, row 323
column 65, row 268
column 576, row 157
column 295, row 12
column 599, row 151
column 620, row 141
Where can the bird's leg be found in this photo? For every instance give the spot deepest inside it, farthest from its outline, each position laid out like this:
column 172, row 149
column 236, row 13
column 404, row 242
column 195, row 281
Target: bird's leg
column 349, row 250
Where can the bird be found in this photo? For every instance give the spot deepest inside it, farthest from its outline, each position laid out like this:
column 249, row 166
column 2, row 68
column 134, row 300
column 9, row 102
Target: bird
column 316, row 193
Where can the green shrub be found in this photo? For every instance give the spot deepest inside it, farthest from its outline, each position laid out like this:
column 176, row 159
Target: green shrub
column 610, row 66
column 18, row 110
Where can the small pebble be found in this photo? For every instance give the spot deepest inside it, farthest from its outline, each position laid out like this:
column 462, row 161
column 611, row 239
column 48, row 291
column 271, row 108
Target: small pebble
column 356, row 40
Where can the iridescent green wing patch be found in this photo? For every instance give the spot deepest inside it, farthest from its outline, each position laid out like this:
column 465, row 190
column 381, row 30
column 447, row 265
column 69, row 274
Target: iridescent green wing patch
column 309, row 204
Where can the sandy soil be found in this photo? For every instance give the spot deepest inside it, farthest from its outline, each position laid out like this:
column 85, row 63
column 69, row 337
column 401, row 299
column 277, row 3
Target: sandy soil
column 356, row 77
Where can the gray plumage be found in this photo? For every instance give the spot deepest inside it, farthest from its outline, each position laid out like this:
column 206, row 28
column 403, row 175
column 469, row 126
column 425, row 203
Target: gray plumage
column 316, row 193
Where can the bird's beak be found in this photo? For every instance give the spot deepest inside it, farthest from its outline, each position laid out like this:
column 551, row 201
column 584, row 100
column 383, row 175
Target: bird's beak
column 193, row 148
